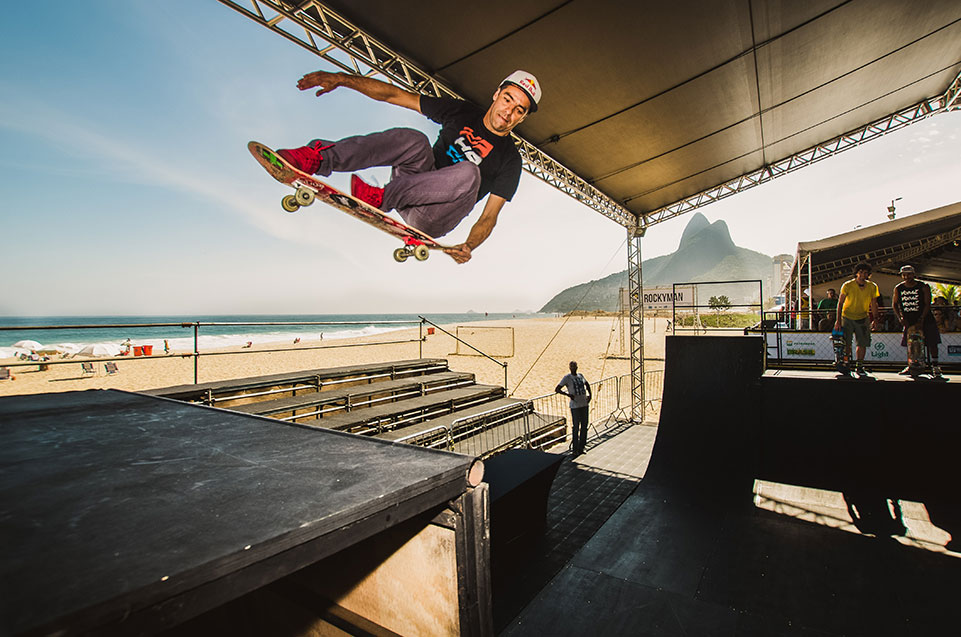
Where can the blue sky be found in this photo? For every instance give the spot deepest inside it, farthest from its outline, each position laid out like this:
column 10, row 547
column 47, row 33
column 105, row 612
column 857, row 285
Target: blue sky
column 126, row 187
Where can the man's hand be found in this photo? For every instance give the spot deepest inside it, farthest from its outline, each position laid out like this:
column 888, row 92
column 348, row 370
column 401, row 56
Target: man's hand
column 327, row 81
column 460, row 253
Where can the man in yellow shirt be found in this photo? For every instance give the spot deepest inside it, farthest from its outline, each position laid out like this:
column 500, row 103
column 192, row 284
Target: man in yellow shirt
column 858, row 302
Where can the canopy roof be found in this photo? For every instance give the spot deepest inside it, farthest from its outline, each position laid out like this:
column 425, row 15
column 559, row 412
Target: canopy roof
column 651, row 109
column 652, row 102
column 930, row 241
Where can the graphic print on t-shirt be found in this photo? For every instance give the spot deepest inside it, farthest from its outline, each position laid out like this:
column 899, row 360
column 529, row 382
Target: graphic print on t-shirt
column 469, row 146
column 911, row 299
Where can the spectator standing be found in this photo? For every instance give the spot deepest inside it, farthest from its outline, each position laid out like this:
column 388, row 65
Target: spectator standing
column 828, row 306
column 944, row 315
column 579, row 391
column 857, row 303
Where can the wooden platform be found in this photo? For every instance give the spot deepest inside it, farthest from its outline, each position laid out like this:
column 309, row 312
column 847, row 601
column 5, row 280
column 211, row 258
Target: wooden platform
column 128, row 514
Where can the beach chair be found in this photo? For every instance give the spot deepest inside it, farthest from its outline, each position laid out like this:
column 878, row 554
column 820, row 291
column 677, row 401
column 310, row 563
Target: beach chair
column 5, row 373
column 88, row 368
column 110, row 368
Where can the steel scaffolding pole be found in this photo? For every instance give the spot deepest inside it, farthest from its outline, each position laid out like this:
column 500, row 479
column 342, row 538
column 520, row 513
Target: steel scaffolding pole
column 636, row 295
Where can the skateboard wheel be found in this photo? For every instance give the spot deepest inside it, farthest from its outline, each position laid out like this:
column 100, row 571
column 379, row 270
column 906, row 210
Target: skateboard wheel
column 421, row 252
column 289, row 203
column 304, row 196
column 400, row 255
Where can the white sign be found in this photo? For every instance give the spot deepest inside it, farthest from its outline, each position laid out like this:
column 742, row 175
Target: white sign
column 666, row 297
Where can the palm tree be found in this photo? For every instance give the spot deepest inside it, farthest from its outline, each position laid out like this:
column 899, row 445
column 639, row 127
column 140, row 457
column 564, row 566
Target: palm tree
column 950, row 292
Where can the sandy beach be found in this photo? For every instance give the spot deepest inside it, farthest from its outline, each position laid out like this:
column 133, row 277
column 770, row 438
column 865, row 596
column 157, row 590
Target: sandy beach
column 542, row 349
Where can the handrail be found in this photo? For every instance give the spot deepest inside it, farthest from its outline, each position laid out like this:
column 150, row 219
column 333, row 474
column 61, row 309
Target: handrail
column 196, row 354
column 528, row 407
column 425, row 432
column 460, row 340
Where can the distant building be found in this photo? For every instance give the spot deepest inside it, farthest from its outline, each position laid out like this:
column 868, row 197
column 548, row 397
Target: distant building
column 780, row 271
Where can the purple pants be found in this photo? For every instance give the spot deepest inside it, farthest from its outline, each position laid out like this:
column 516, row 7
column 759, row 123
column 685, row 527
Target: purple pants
column 429, row 199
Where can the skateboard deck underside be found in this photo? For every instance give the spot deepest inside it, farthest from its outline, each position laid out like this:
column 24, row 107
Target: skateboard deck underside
column 287, row 174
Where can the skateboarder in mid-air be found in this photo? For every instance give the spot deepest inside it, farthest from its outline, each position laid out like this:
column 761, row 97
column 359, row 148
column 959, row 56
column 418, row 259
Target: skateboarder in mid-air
column 433, row 189
column 912, row 305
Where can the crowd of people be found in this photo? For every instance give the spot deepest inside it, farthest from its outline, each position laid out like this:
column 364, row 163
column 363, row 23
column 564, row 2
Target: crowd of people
column 945, row 314
column 860, row 309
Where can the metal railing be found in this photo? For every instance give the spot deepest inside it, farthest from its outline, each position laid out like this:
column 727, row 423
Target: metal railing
column 197, row 354
column 460, row 340
column 802, row 340
column 690, row 310
column 610, row 401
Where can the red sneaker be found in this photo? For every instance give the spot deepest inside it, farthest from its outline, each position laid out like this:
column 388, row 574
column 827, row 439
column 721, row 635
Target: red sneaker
column 365, row 192
column 306, row 158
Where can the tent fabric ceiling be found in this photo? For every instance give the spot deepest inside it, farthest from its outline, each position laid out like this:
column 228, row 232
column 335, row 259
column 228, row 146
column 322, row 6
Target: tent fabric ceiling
column 652, row 102
column 930, row 241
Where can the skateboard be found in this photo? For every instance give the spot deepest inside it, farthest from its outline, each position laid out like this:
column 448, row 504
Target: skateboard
column 837, row 340
column 915, row 351
column 308, row 189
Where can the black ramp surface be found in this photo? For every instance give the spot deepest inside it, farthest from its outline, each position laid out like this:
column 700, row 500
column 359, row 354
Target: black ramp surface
column 684, row 555
column 705, row 437
column 112, row 502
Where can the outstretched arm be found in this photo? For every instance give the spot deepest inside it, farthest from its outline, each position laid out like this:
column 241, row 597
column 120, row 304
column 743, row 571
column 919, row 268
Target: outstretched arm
column 480, row 231
column 374, row 89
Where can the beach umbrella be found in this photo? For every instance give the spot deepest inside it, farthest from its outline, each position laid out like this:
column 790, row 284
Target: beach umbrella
column 31, row 345
column 48, row 349
column 99, row 349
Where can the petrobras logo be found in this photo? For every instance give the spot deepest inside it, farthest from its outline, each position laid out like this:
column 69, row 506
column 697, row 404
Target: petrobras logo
column 954, row 350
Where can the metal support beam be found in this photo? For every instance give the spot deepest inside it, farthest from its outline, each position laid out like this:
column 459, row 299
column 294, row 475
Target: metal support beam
column 952, row 96
column 351, row 50
column 830, row 148
column 635, row 284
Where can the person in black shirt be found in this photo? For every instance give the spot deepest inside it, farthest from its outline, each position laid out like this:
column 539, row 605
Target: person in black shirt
column 433, row 189
column 912, row 305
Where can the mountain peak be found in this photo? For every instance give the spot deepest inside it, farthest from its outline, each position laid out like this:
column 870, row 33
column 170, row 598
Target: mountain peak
column 697, row 223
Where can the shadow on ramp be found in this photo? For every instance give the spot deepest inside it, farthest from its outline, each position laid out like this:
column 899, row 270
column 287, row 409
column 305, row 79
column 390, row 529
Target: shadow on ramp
column 689, row 554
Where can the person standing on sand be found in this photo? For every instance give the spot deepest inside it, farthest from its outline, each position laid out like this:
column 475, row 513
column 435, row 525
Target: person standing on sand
column 432, row 189
column 579, row 391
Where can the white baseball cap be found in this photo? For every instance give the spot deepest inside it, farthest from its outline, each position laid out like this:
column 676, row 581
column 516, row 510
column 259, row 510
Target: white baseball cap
column 528, row 83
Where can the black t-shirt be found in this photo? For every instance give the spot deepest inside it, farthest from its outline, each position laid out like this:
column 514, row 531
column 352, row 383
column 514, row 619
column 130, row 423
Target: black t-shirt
column 912, row 301
column 463, row 136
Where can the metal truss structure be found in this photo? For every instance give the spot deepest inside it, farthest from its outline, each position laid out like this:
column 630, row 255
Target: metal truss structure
column 329, row 35
column 635, row 283
column 952, row 97
column 830, row 148
column 886, row 259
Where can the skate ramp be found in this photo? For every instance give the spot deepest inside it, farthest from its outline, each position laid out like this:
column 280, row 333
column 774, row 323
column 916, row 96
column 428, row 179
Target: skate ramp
column 689, row 554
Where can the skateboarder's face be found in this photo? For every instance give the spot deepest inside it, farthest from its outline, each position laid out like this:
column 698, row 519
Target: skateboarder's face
column 908, row 277
column 507, row 111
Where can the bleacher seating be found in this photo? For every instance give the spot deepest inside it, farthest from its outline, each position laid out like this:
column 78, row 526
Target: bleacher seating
column 416, row 401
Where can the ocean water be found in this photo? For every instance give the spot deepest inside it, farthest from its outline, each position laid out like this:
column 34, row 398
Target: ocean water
column 64, row 332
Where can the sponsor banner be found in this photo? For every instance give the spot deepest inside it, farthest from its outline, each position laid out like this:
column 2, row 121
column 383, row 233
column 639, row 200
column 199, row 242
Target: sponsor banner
column 885, row 347
column 666, row 297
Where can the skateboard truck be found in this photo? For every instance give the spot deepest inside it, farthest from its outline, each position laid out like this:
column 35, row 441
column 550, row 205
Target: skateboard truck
column 414, row 247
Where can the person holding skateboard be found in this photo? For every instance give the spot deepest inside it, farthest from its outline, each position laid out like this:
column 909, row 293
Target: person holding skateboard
column 579, row 391
column 912, row 305
column 857, row 302
column 433, row 189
